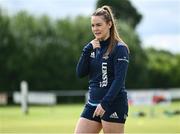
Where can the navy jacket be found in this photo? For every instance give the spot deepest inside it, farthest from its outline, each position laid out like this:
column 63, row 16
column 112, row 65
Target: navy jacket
column 106, row 73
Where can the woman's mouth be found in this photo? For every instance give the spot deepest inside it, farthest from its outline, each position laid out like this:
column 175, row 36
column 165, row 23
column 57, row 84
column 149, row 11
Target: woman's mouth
column 97, row 34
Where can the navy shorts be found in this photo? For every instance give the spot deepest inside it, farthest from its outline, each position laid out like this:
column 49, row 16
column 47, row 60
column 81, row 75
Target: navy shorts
column 117, row 113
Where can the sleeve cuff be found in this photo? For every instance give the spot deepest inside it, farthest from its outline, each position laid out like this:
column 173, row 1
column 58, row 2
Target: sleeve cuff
column 88, row 48
column 105, row 105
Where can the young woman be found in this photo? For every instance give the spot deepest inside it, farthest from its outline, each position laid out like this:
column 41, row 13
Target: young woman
column 105, row 60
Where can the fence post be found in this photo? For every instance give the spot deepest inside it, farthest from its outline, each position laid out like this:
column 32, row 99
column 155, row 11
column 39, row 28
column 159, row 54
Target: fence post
column 24, row 97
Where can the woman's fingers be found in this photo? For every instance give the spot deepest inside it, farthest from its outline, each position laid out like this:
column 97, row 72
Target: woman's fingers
column 99, row 111
column 95, row 43
column 94, row 114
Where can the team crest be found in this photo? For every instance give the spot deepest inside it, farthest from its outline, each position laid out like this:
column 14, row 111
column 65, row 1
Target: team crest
column 92, row 55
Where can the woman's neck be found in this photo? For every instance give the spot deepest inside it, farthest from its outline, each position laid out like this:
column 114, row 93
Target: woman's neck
column 103, row 39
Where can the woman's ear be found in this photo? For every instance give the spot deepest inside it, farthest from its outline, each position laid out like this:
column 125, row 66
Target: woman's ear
column 110, row 24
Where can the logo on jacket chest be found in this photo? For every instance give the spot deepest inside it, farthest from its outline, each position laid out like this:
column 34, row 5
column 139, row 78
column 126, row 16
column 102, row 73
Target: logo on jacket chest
column 92, row 55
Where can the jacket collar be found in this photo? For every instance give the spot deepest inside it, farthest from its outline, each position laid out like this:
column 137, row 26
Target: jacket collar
column 105, row 42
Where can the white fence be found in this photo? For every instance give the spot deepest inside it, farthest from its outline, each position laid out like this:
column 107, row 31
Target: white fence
column 42, row 98
column 135, row 96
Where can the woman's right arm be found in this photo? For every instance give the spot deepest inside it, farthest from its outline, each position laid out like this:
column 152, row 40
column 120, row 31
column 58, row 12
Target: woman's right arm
column 82, row 68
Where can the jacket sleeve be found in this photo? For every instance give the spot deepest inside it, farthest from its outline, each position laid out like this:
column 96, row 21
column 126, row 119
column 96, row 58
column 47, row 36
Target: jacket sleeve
column 120, row 61
column 82, row 68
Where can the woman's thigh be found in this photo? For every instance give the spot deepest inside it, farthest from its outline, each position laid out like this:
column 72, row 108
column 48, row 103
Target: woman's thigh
column 111, row 127
column 87, row 126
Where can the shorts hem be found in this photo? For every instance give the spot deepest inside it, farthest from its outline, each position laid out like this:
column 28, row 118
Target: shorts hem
column 99, row 121
column 122, row 121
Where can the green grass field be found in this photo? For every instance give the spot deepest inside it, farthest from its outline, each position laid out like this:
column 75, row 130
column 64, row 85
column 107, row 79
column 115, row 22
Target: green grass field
column 62, row 119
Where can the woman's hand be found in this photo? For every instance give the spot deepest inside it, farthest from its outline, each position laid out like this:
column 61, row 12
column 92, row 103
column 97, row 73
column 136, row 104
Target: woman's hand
column 99, row 111
column 95, row 43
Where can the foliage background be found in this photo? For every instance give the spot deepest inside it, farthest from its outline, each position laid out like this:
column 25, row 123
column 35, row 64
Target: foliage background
column 44, row 52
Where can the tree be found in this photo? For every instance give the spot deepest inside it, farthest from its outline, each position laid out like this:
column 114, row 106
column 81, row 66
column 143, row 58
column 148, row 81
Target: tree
column 45, row 53
column 163, row 69
column 8, row 50
column 124, row 10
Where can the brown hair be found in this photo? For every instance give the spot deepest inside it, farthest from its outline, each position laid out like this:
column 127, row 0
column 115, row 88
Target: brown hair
column 106, row 12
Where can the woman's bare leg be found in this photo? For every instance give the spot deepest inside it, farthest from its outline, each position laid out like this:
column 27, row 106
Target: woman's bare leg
column 110, row 127
column 87, row 126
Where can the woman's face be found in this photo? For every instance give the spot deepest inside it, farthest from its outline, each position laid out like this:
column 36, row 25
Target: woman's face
column 100, row 28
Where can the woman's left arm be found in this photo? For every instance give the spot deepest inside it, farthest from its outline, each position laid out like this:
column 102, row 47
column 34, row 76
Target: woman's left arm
column 121, row 60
